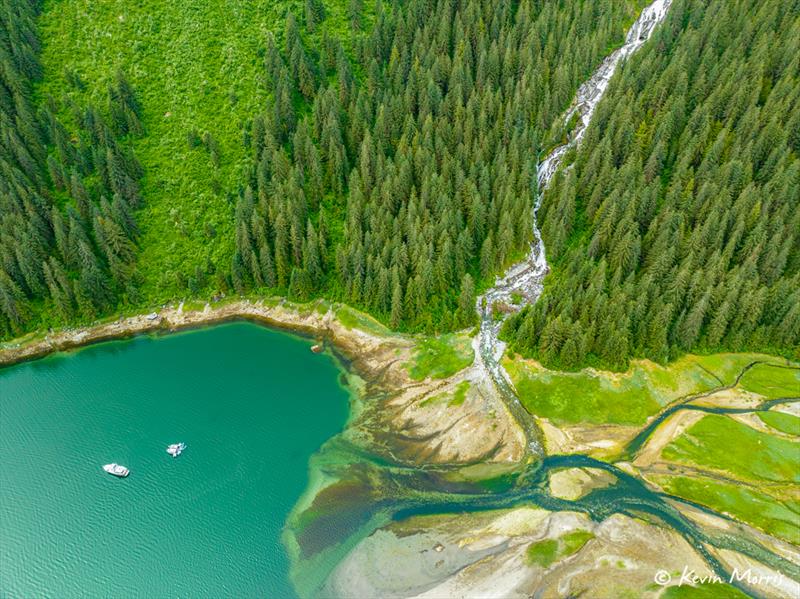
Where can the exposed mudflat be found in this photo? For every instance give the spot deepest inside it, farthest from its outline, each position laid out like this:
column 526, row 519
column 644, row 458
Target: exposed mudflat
column 574, row 483
column 486, row 555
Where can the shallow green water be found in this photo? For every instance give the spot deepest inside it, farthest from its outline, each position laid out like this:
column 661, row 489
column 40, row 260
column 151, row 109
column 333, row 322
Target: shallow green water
column 252, row 406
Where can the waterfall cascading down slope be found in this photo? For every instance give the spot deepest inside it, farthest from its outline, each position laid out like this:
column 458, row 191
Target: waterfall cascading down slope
column 524, row 279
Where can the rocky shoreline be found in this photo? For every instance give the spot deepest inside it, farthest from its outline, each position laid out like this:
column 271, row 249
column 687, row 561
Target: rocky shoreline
column 169, row 319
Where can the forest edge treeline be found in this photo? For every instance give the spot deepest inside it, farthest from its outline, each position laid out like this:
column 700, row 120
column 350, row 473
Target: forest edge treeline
column 371, row 189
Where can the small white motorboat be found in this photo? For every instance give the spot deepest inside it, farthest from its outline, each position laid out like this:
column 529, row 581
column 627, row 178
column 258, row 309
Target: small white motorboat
column 116, row 470
column 176, row 449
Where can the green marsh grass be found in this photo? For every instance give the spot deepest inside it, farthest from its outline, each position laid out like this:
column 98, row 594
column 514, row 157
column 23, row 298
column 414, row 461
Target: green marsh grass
column 780, row 421
column 747, row 504
column 721, row 443
column 544, row 553
column 440, row 357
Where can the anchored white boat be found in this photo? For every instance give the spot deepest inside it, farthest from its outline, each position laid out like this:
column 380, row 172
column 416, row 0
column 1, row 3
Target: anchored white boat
column 176, row 449
column 116, row 470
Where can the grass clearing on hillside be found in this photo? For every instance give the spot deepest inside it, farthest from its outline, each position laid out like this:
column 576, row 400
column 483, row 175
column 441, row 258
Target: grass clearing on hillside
column 721, row 443
column 749, row 505
column 440, row 357
column 194, row 65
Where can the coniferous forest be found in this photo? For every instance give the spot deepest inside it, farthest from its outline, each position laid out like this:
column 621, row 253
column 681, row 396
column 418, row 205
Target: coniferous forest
column 397, row 180
column 391, row 165
column 68, row 190
column 677, row 227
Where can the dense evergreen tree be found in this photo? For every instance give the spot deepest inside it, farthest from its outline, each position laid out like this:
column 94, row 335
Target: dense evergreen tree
column 63, row 242
column 397, row 172
column 677, row 228
column 427, row 159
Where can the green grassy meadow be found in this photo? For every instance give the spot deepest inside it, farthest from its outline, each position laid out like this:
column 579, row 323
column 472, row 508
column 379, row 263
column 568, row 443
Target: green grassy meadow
column 630, row 397
column 780, row 421
column 747, row 504
column 772, row 381
column 571, row 399
column 703, row 591
column 608, row 398
column 544, row 553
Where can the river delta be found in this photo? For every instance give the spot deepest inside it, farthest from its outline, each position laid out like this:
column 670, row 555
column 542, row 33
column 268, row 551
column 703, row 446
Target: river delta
column 464, row 471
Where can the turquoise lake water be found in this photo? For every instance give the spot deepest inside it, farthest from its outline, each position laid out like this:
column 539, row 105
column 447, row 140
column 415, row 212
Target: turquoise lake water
column 251, row 404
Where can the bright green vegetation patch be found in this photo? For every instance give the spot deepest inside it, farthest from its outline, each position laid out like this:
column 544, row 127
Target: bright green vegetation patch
column 785, row 423
column 544, row 553
column 584, row 397
column 630, row 397
column 687, row 375
column 704, row 591
column 193, row 306
column 751, row 506
column 353, row 319
column 197, row 67
column 726, row 367
column 322, row 307
column 455, row 399
column 772, row 380
column 694, row 374
column 440, row 357
column 433, row 399
column 460, row 394
column 721, row 443
column 572, row 542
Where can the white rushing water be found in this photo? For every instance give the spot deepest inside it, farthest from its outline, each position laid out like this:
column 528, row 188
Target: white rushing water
column 523, row 281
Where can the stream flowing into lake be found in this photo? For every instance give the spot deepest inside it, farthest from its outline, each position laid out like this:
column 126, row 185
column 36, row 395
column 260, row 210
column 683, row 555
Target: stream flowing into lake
column 253, row 405
column 396, row 492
